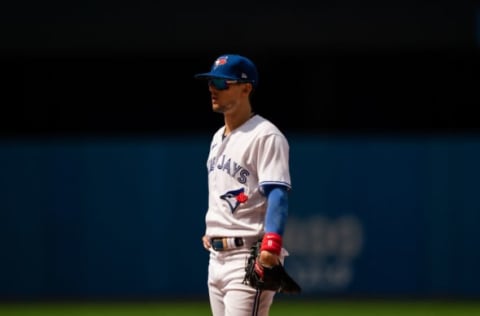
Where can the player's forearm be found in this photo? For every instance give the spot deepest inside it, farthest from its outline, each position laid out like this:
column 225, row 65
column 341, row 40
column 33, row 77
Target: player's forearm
column 275, row 218
column 277, row 209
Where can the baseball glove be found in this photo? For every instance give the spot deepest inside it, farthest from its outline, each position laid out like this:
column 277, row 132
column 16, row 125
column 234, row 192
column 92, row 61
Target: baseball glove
column 273, row 278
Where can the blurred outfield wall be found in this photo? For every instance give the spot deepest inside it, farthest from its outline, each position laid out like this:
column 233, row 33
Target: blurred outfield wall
column 123, row 218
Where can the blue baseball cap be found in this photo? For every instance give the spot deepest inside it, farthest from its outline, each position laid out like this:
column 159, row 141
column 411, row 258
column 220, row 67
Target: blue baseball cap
column 232, row 67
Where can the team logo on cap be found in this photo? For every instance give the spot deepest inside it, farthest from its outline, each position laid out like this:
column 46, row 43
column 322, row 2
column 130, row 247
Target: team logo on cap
column 221, row 61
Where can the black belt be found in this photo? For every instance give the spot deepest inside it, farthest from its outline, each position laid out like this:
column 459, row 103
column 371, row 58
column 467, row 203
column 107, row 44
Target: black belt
column 225, row 243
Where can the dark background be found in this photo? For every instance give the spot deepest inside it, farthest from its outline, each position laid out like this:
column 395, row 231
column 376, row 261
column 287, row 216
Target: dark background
column 109, row 68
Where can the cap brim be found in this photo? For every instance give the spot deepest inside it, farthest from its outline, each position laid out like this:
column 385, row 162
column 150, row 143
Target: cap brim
column 208, row 75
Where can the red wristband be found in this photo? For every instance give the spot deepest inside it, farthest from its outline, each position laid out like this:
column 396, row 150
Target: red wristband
column 272, row 242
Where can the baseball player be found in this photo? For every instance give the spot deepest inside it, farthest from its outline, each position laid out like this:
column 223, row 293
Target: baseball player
column 248, row 183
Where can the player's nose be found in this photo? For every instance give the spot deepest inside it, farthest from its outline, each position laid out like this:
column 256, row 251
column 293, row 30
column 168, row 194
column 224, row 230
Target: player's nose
column 211, row 88
column 213, row 92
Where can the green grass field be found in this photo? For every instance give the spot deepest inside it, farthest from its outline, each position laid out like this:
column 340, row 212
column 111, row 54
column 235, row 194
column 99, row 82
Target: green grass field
column 280, row 308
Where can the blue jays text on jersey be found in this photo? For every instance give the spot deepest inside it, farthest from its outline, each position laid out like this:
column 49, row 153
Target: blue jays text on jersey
column 232, row 168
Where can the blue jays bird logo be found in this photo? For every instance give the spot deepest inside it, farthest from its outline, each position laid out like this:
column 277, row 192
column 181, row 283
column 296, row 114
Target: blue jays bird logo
column 221, row 61
column 234, row 198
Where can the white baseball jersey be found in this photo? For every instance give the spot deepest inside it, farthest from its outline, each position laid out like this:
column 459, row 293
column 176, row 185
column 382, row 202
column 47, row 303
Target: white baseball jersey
column 254, row 154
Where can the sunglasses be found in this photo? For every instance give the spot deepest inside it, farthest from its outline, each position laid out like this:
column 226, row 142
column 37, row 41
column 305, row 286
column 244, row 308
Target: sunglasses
column 221, row 84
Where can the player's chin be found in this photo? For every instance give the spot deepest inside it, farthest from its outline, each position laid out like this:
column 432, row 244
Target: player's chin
column 217, row 107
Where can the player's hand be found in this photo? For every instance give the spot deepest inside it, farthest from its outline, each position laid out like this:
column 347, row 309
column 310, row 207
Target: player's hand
column 206, row 242
column 268, row 259
column 265, row 259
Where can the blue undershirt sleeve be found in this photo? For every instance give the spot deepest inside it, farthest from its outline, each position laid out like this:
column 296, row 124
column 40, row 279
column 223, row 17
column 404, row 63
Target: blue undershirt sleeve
column 277, row 208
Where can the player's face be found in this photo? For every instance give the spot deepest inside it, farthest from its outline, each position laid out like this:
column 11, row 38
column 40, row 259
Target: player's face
column 226, row 100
